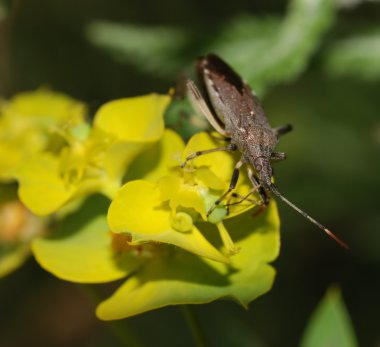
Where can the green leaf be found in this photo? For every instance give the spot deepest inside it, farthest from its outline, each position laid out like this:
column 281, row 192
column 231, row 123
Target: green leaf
column 139, row 45
column 264, row 51
column 284, row 49
column 330, row 324
column 356, row 56
column 80, row 249
column 183, row 278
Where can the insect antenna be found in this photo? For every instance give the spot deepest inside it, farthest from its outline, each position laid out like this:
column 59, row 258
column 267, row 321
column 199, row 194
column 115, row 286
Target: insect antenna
column 276, row 192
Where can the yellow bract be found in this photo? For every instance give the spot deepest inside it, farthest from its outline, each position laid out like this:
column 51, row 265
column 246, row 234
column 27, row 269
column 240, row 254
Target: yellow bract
column 61, row 162
column 27, row 123
column 138, row 210
column 84, row 160
column 167, row 208
column 42, row 188
column 45, row 107
column 220, row 163
column 137, row 119
column 184, row 278
column 214, row 170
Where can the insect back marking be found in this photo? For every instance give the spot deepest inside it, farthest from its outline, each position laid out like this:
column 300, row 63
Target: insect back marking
column 235, row 112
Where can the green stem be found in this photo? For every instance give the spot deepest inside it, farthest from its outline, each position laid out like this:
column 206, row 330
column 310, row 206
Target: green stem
column 194, row 325
column 120, row 328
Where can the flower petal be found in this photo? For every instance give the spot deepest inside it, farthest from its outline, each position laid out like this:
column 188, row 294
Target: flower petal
column 80, row 250
column 138, row 210
column 221, row 163
column 117, row 159
column 158, row 160
column 41, row 188
column 27, row 123
column 183, row 278
column 214, row 170
column 138, row 119
column 46, row 106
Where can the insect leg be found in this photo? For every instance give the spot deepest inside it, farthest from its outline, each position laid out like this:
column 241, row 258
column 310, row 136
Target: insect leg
column 283, row 129
column 256, row 183
column 201, row 106
column 229, row 147
column 233, row 182
column 277, row 156
column 242, row 199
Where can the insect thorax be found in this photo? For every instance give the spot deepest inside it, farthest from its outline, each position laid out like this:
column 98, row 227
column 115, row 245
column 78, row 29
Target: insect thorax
column 256, row 145
column 253, row 141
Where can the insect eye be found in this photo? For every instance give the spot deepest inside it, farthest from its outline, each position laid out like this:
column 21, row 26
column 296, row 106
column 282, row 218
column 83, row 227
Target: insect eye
column 258, row 167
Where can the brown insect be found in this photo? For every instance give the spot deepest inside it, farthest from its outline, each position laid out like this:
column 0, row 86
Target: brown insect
column 235, row 112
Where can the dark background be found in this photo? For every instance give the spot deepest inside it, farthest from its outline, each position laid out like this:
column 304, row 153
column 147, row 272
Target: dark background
column 332, row 172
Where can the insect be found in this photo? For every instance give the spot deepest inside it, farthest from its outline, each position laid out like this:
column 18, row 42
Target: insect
column 235, row 112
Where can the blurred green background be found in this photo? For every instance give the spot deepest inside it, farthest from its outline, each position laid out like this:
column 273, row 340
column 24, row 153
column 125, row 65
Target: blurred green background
column 315, row 64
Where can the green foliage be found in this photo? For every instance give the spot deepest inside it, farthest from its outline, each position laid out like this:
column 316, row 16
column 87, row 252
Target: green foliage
column 330, row 324
column 270, row 51
column 356, row 56
column 264, row 51
column 153, row 50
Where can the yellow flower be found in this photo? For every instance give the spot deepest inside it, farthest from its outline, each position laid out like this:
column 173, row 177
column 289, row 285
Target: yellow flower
column 26, row 123
column 167, row 206
column 82, row 160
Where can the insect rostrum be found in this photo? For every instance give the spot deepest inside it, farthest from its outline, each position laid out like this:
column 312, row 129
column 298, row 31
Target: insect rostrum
column 234, row 111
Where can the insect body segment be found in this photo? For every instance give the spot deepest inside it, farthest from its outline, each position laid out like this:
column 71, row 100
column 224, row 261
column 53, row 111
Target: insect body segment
column 235, row 112
column 238, row 107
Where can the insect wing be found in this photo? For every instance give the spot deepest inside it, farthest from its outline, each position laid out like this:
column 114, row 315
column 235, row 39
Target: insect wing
column 232, row 99
column 201, row 106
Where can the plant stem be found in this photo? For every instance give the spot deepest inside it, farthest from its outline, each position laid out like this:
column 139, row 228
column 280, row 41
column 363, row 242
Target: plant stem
column 194, row 325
